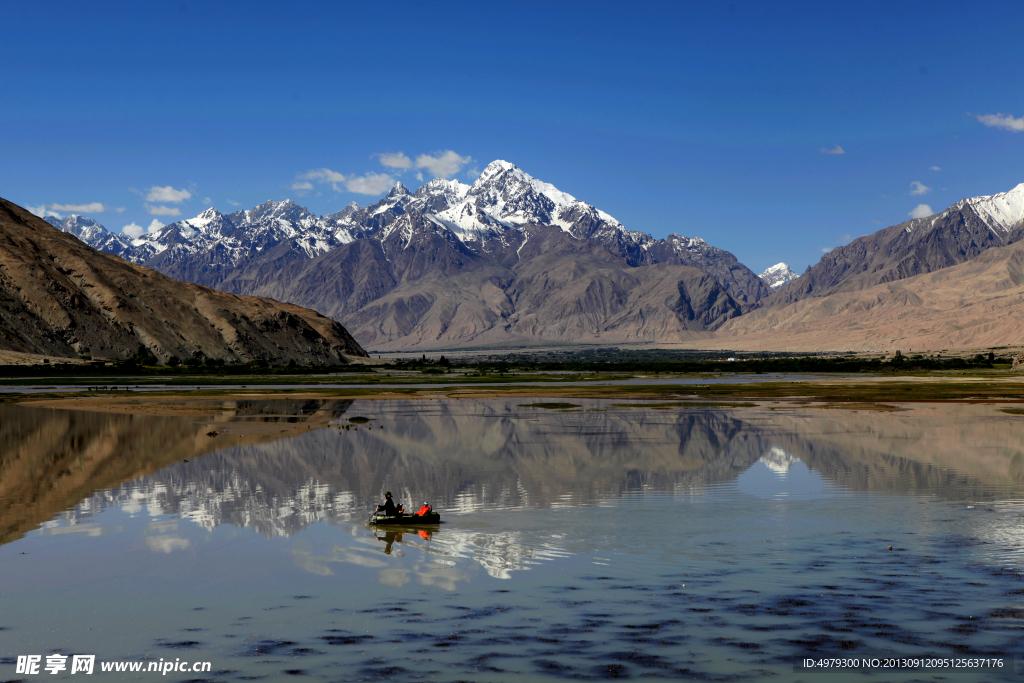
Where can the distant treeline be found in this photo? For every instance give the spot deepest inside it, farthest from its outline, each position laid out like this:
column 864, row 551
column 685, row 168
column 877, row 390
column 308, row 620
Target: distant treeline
column 704, row 363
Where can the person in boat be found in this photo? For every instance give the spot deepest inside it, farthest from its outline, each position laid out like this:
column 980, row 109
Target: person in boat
column 425, row 510
column 388, row 508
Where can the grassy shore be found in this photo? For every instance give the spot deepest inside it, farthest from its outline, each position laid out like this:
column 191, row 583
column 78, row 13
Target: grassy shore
column 664, row 392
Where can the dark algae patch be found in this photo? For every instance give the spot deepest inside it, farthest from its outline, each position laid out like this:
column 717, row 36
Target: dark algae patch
column 668, row 405
column 550, row 406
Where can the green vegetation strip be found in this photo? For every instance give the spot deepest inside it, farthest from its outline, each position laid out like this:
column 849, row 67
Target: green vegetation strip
column 1012, row 411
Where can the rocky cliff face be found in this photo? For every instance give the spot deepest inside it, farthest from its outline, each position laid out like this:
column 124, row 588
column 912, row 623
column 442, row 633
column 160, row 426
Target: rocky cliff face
column 453, row 264
column 60, row 297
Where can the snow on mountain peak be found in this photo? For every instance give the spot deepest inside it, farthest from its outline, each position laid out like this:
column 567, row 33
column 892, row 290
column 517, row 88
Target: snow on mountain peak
column 398, row 190
column 1003, row 210
column 204, row 219
column 778, row 275
column 511, row 174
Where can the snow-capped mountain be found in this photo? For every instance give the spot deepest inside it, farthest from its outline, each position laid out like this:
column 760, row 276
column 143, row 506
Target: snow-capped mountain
column 99, row 238
column 778, row 275
column 506, row 219
column 917, row 246
column 1001, row 212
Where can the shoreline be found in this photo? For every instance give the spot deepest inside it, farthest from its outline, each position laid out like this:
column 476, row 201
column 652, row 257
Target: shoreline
column 817, row 390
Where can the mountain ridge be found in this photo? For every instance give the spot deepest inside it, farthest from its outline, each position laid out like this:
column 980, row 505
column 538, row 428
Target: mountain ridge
column 921, row 245
column 404, row 294
column 60, row 297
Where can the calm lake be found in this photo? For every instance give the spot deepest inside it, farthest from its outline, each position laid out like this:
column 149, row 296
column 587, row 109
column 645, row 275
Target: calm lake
column 600, row 539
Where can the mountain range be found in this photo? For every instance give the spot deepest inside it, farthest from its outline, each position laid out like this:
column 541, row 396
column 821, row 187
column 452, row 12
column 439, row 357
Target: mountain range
column 508, row 260
column 62, row 298
column 512, row 261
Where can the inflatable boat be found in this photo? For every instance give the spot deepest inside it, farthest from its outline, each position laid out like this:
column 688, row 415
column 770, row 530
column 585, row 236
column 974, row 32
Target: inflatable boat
column 379, row 518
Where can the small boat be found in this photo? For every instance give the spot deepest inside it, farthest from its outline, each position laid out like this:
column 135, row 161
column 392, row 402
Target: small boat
column 380, row 518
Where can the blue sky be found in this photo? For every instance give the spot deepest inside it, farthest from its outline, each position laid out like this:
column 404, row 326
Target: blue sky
column 709, row 119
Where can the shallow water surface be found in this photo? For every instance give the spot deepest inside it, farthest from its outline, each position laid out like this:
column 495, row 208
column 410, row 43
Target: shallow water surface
column 584, row 542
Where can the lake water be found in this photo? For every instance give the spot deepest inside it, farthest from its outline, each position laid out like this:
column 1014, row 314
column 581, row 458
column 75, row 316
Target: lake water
column 585, row 542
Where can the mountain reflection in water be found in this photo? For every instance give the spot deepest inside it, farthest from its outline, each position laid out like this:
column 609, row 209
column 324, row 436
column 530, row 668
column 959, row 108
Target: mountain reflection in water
column 688, row 543
column 465, row 456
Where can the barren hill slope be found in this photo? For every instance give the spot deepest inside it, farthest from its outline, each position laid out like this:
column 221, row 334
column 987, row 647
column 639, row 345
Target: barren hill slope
column 976, row 304
column 60, row 297
column 922, row 245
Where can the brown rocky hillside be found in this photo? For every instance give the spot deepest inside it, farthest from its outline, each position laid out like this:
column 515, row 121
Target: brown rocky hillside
column 60, row 297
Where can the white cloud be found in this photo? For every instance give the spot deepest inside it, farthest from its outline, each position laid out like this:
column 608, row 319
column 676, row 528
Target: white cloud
column 42, row 211
column 934, row 168
column 419, row 176
column 207, row 200
column 163, row 210
column 320, row 175
column 371, row 183
column 835, row 150
column 825, row 250
column 133, row 230
column 167, row 194
column 395, row 160
column 93, row 207
column 920, row 211
column 232, row 202
column 917, row 188
column 1006, row 121
column 444, row 165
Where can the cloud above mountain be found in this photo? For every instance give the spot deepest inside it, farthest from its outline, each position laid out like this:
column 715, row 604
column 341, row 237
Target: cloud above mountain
column 91, row 207
column 371, row 183
column 917, row 188
column 304, row 181
column 163, row 210
column 395, row 160
column 835, row 150
column 1004, row 121
column 167, row 194
column 42, row 211
column 135, row 230
column 443, row 164
column 920, row 211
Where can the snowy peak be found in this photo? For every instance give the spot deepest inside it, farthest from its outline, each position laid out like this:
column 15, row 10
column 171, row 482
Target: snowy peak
column 778, row 275
column 205, row 218
column 494, row 168
column 83, row 228
column 286, row 210
column 1002, row 211
column 491, row 217
column 398, row 190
